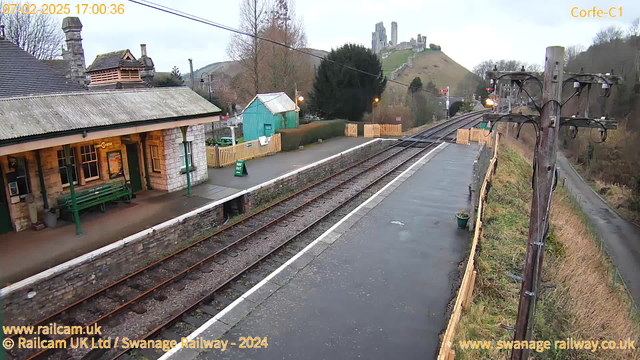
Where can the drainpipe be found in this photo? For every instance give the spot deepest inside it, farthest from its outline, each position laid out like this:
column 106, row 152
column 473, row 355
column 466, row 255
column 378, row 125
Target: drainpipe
column 143, row 139
column 74, row 203
column 186, row 158
column 43, row 188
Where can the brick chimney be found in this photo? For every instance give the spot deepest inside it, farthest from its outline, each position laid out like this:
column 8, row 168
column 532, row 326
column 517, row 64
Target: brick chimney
column 74, row 55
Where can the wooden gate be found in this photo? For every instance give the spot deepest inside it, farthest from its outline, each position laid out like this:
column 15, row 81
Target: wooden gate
column 371, row 130
column 351, row 130
column 463, row 137
column 390, row 129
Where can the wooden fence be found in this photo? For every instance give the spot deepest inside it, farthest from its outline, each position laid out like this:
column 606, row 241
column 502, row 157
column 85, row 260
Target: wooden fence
column 463, row 298
column 377, row 130
column 351, row 130
column 223, row 156
column 478, row 135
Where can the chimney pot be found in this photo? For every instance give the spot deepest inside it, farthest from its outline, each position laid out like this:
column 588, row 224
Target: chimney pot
column 143, row 50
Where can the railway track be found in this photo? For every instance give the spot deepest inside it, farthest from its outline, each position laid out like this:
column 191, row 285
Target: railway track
column 171, row 297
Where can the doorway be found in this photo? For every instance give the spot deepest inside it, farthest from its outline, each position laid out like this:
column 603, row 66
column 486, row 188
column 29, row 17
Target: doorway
column 134, row 168
column 5, row 216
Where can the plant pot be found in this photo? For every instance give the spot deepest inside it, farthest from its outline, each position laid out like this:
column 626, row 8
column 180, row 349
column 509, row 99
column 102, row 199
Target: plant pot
column 50, row 218
column 462, row 221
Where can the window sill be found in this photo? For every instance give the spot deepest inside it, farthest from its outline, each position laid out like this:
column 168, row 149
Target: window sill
column 191, row 169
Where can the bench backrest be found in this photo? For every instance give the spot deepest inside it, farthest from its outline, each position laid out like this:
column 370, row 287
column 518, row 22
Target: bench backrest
column 93, row 192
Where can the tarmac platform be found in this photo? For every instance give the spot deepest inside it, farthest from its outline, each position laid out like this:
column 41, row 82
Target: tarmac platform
column 374, row 286
column 29, row 252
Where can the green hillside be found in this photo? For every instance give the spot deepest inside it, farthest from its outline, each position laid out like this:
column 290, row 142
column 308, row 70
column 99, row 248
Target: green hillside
column 430, row 65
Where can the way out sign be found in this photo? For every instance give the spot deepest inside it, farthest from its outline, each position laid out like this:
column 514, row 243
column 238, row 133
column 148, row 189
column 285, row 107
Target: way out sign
column 241, row 168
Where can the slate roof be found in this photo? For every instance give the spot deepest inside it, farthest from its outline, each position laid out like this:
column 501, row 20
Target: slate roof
column 22, row 74
column 113, row 60
column 63, row 113
column 60, row 66
column 276, row 102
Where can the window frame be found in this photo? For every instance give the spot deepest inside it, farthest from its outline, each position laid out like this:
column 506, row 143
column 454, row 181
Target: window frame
column 154, row 168
column 96, row 160
column 183, row 166
column 22, row 160
column 74, row 164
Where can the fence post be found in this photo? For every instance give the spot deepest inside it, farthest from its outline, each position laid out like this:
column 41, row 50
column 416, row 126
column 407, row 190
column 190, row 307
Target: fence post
column 217, row 152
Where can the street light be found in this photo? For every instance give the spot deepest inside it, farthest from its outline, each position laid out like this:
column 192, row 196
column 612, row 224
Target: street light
column 208, row 82
column 299, row 99
column 373, row 109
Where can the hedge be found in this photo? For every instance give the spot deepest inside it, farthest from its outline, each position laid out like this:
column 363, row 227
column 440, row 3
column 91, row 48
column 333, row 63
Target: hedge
column 310, row 133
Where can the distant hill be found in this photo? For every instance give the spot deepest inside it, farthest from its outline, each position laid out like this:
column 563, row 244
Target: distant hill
column 430, row 65
column 232, row 68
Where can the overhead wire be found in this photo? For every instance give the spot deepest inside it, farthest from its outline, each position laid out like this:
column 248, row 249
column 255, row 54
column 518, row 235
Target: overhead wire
column 188, row 16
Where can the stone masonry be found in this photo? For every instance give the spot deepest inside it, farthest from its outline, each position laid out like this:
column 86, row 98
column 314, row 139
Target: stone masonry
column 176, row 176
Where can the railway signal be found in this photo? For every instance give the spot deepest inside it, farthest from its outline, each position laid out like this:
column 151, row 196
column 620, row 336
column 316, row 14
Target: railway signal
column 545, row 174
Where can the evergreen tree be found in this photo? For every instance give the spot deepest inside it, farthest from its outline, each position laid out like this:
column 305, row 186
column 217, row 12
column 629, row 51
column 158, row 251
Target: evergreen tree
column 416, row 85
column 340, row 92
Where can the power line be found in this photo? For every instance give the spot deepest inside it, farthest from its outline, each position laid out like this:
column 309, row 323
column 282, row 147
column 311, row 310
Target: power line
column 188, row 16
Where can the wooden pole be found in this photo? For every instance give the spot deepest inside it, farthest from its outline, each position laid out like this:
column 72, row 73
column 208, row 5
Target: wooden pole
column 542, row 189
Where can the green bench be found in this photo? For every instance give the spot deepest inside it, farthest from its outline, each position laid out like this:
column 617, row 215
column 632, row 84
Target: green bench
column 96, row 195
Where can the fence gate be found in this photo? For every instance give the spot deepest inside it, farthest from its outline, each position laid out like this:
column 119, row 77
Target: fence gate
column 371, row 130
column 351, row 130
column 463, row 137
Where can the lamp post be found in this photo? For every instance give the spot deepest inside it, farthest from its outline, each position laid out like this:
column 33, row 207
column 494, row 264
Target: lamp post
column 373, row 110
column 208, row 83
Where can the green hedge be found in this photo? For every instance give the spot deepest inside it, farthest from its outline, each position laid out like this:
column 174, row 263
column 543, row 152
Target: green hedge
column 310, row 133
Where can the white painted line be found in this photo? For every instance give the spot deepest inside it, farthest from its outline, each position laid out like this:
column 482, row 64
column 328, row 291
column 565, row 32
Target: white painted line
column 244, row 296
column 135, row 237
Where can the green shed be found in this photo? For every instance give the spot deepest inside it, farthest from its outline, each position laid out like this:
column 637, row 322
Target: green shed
column 267, row 113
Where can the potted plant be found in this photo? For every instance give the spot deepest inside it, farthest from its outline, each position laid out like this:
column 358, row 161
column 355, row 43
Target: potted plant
column 462, row 217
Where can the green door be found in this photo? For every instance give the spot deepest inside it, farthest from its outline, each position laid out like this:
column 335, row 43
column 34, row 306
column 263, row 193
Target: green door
column 5, row 217
column 134, row 167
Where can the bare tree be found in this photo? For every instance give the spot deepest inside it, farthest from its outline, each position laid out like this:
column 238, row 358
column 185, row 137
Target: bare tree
column 482, row 68
column 247, row 49
column 286, row 66
column 572, row 52
column 610, row 34
column 634, row 28
column 38, row 34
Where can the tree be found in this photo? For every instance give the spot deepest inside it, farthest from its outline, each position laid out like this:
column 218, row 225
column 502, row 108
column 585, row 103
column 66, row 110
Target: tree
column 342, row 92
column 571, row 53
column 454, row 108
column 416, row 85
column 433, row 46
column 246, row 49
column 610, row 34
column 634, row 28
column 285, row 68
column 482, row 68
column 174, row 78
column 38, row 34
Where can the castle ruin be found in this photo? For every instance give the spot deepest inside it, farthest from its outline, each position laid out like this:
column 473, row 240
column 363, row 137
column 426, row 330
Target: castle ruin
column 379, row 40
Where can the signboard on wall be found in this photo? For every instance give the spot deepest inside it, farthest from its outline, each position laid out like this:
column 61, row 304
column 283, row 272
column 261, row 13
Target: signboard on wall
column 114, row 160
column 398, row 118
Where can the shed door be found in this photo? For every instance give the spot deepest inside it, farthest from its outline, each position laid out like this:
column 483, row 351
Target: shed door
column 5, row 217
column 268, row 130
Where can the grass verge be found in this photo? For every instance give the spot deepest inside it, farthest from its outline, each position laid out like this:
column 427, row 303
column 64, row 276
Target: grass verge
column 584, row 305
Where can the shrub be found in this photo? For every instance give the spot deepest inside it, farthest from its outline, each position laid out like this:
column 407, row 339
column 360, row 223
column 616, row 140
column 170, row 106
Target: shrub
column 310, row 133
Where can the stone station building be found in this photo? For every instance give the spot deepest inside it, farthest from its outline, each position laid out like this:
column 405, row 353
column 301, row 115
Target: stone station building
column 130, row 135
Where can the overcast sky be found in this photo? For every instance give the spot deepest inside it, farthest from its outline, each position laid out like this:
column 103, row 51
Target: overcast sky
column 468, row 31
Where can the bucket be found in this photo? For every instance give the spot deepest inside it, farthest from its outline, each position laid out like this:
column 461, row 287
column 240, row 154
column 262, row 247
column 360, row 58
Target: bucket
column 462, row 222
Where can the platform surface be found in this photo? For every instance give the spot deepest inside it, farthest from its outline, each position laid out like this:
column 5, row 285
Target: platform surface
column 380, row 291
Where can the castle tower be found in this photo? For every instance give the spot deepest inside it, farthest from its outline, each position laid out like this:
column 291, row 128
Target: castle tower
column 394, row 33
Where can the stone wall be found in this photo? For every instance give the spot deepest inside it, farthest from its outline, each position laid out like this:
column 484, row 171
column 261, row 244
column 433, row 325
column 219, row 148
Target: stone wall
column 175, row 174
column 95, row 270
column 480, row 167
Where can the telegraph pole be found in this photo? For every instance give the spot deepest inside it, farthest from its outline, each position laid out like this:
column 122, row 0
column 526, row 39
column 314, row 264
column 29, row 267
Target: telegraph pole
column 544, row 177
column 543, row 182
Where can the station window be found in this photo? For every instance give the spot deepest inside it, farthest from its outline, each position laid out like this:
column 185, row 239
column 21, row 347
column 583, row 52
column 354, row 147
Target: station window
column 19, row 178
column 155, row 157
column 63, row 169
column 89, row 162
column 182, row 164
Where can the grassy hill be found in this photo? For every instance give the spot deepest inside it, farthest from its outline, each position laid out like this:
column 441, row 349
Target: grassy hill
column 433, row 66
